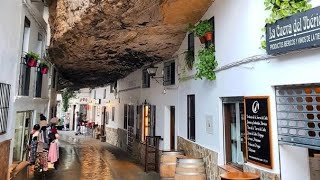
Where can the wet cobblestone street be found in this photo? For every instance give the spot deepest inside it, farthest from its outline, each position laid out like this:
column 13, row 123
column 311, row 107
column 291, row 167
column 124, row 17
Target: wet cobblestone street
column 83, row 158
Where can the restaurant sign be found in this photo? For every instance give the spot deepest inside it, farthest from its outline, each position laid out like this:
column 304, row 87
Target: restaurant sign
column 258, row 131
column 296, row 32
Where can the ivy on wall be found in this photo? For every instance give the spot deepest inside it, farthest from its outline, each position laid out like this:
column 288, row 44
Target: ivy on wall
column 281, row 9
column 207, row 64
column 67, row 94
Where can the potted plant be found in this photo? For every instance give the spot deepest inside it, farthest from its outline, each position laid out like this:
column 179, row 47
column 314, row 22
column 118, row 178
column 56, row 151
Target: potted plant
column 44, row 67
column 207, row 64
column 32, row 59
column 204, row 31
column 189, row 58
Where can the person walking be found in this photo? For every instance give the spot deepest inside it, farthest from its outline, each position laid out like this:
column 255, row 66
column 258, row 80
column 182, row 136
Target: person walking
column 34, row 144
column 79, row 121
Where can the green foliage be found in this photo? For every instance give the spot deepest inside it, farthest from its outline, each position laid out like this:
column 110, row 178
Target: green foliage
column 44, row 64
column 189, row 58
column 67, row 94
column 207, row 64
column 201, row 28
column 33, row 55
column 284, row 8
column 281, row 9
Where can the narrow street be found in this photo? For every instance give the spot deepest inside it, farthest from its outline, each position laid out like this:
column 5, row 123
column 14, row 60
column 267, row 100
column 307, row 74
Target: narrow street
column 82, row 157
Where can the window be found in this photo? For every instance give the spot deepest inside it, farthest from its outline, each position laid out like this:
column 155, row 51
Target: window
column 191, row 118
column 234, row 131
column 145, row 79
column 128, row 112
column 26, row 35
column 169, row 73
column 38, row 82
column 107, row 117
column 25, row 70
column 125, row 115
column 24, row 78
column 208, row 43
column 139, row 122
column 191, row 44
column 94, row 94
column 4, row 106
column 104, row 93
column 131, row 115
column 113, row 87
column 113, row 113
column 40, row 44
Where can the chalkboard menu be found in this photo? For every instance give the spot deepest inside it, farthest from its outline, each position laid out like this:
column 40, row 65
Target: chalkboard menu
column 258, row 139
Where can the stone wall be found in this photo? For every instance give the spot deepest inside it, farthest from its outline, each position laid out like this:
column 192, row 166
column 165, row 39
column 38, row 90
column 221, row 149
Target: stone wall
column 117, row 137
column 264, row 175
column 210, row 157
column 4, row 158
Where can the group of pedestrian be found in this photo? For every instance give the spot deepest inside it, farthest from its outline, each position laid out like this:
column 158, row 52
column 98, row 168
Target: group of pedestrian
column 44, row 145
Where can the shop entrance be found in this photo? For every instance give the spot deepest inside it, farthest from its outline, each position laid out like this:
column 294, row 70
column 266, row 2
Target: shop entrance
column 23, row 128
column 234, row 124
column 298, row 119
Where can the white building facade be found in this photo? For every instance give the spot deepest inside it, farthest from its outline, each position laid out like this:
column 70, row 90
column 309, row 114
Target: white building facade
column 25, row 31
column 207, row 118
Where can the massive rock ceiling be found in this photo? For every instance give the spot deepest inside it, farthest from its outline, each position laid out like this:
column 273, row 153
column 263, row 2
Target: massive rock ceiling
column 95, row 42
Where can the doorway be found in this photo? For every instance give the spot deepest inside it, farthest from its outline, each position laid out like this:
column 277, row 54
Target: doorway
column 104, row 112
column 22, row 135
column 172, row 128
column 74, row 117
column 234, row 132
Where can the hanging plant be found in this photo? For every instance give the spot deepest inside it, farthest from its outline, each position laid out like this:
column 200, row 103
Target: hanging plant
column 207, row 64
column 203, row 30
column 32, row 59
column 44, row 67
column 281, row 9
column 189, row 58
column 67, row 94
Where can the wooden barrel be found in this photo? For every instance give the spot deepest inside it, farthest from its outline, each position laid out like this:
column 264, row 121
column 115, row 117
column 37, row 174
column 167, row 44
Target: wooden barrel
column 168, row 161
column 239, row 176
column 190, row 169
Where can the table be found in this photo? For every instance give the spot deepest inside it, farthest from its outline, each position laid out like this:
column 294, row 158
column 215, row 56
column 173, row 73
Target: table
column 239, row 176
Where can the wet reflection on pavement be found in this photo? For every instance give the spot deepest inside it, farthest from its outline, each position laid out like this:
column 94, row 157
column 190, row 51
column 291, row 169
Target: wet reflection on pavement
column 80, row 161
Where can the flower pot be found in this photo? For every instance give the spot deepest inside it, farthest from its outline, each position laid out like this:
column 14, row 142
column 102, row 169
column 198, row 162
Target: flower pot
column 202, row 39
column 209, row 36
column 44, row 70
column 32, row 62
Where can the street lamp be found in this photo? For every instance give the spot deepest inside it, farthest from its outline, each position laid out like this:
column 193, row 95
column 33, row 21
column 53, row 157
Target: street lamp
column 152, row 71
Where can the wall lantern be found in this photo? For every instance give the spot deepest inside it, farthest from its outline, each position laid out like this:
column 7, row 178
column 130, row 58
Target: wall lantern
column 152, row 71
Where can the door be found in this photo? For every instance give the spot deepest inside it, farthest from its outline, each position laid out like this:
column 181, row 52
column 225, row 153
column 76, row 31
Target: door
column 104, row 112
column 172, row 127
column 234, row 133
column 191, row 112
column 74, row 117
column 21, row 136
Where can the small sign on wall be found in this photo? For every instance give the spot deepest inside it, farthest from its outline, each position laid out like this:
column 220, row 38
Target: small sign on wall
column 258, row 131
column 209, row 124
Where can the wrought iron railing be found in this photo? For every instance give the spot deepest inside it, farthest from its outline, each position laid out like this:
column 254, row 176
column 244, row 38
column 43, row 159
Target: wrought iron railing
column 24, row 77
column 4, row 106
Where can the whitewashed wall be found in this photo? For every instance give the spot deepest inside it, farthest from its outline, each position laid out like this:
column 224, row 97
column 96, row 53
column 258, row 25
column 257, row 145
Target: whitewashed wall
column 10, row 53
column 238, row 38
column 131, row 93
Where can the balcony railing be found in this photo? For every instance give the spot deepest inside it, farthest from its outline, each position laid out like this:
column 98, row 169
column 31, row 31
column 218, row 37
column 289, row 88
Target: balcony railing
column 24, row 77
